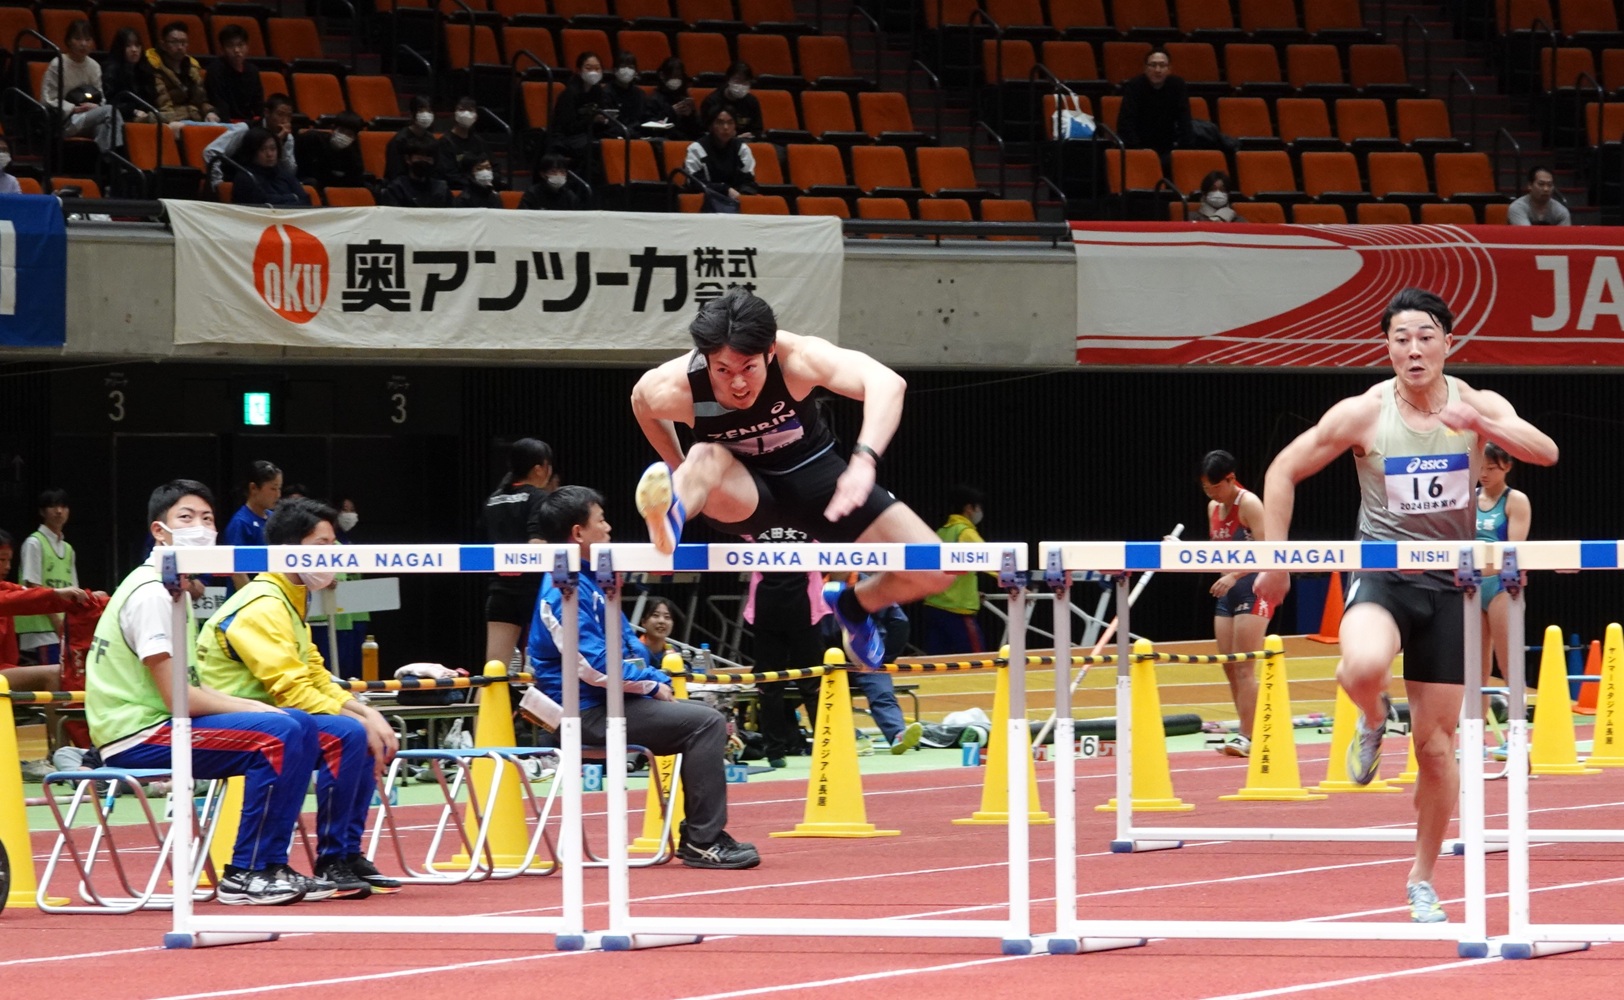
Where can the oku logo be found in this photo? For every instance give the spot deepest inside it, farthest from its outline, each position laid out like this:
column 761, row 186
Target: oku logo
column 290, row 272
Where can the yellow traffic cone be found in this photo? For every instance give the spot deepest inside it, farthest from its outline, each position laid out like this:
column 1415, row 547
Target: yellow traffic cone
column 1152, row 778
column 1412, row 768
column 834, row 792
column 1554, row 750
column 995, row 776
column 666, row 768
column 506, row 833
column 1272, row 774
column 1343, row 724
column 13, row 814
column 1607, row 748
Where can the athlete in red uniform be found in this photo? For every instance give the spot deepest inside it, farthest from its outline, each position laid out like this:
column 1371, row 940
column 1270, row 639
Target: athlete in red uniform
column 1241, row 618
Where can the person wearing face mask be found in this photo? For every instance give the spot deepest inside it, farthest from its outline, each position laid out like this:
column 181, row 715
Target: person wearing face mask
column 417, row 187
column 480, row 191
column 951, row 625
column 670, row 102
column 736, row 98
column 421, row 128
column 258, row 646
column 578, row 114
column 128, row 690
column 1214, row 203
column 631, row 104
column 553, row 192
column 458, row 143
column 332, row 159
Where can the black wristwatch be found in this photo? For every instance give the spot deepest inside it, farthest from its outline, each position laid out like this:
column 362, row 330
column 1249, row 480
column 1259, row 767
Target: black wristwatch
column 861, row 448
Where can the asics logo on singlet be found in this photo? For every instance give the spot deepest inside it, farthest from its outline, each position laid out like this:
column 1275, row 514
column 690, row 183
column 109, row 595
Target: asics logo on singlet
column 1427, row 465
column 778, row 407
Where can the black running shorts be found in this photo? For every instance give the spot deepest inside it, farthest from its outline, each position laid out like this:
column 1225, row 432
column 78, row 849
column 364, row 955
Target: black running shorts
column 790, row 505
column 1431, row 629
column 513, row 599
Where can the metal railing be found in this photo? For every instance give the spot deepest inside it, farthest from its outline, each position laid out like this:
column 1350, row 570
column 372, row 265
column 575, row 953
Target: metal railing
column 1426, row 49
column 1471, row 93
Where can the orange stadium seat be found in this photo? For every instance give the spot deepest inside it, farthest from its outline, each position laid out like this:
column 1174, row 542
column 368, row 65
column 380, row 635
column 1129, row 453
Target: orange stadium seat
column 1319, row 215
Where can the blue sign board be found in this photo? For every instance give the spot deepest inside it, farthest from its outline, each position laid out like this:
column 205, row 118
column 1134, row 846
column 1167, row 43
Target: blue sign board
column 33, row 272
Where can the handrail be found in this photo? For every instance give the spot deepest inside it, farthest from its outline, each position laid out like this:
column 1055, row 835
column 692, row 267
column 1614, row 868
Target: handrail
column 1103, row 130
column 1580, row 133
column 1494, row 155
column 881, row 41
column 473, row 30
column 505, row 127
column 1039, row 71
column 1003, row 154
column 516, row 91
column 978, row 86
column 1184, row 201
column 936, row 84
column 1426, row 49
column 56, row 119
column 1043, row 179
column 1471, row 90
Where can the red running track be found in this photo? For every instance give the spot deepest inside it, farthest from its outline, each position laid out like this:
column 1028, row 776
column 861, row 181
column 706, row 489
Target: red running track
column 934, row 869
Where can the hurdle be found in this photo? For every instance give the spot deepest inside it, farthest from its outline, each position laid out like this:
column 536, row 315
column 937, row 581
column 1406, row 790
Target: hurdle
column 627, row 931
column 1523, row 938
column 1074, row 934
column 193, row 929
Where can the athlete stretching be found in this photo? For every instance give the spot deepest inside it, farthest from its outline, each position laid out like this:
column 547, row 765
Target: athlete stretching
column 765, row 463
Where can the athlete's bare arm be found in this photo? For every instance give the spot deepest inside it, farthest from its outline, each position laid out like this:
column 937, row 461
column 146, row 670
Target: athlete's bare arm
column 1251, row 512
column 809, row 362
column 1346, row 425
column 1519, row 516
column 662, row 399
column 1494, row 419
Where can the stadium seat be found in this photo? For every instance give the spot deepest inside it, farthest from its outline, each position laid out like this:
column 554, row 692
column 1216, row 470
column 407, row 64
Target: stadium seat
column 1254, row 70
column 647, row 15
column 1263, row 212
column 1399, row 177
column 705, row 55
column 946, row 210
column 827, row 115
column 946, row 172
column 1266, row 175
column 1337, row 22
column 1361, row 124
column 1209, row 21
column 1305, row 125
column 1333, row 178
column 779, row 117
column 1273, row 22
column 1316, row 71
column 885, row 116
column 818, row 170
column 318, row 96
column 1465, row 178
column 1139, row 174
column 1020, row 18
column 88, row 188
column 1452, row 214
column 273, row 82
column 882, row 172
column 374, row 99
column 1191, row 167
column 769, row 56
column 1008, row 210
column 673, row 154
column 374, row 152
column 1495, row 214
column 1073, row 63
column 1379, row 71
column 826, row 63
column 883, row 208
column 1197, row 63
column 194, row 139
column 774, row 16
column 349, row 197
column 650, row 47
column 294, row 38
column 1424, row 126
column 576, row 41
column 710, row 15
column 1319, row 215
column 1246, row 120
column 763, row 204
column 534, row 39
column 1372, row 213
column 1143, row 20
column 632, row 177
column 1081, row 20
column 809, row 205
column 1124, row 60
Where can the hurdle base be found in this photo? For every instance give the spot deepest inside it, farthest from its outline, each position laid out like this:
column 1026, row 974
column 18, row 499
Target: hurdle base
column 215, row 939
column 638, row 942
column 1037, row 818
column 1016, row 946
column 1457, row 848
column 836, row 830
column 1519, row 950
column 569, row 942
column 1378, row 786
column 1141, row 846
column 458, row 863
column 1087, row 945
column 1475, row 949
column 1272, row 795
column 1150, row 805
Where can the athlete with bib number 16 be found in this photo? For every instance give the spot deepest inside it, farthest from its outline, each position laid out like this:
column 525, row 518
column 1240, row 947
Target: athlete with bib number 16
column 1417, row 441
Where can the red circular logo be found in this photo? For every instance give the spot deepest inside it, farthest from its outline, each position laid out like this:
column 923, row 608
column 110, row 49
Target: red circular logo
column 290, row 272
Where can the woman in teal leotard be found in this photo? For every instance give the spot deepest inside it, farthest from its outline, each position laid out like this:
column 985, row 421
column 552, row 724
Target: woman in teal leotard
column 1503, row 515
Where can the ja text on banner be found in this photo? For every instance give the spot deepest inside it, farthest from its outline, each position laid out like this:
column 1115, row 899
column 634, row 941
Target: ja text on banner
column 473, row 279
column 1312, row 296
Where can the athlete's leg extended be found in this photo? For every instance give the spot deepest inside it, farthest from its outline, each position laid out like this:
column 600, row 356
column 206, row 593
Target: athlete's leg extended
column 898, row 523
column 1370, row 642
column 709, row 480
column 1434, row 711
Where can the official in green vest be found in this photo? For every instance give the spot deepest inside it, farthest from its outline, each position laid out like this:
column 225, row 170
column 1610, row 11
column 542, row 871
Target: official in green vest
column 47, row 561
column 128, row 691
column 950, row 616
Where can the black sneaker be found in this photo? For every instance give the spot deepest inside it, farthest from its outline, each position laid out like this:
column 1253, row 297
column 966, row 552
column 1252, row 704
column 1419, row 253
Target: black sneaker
column 265, row 887
column 316, row 889
column 722, row 838
column 369, row 873
column 725, row 853
column 348, row 883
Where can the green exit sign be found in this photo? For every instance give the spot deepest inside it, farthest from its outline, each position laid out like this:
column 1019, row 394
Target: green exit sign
column 256, row 409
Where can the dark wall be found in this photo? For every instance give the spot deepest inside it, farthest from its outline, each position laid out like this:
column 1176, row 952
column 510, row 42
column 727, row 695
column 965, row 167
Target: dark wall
column 1067, row 454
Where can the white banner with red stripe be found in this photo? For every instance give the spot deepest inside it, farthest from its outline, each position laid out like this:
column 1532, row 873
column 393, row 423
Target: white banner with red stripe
column 1312, row 296
column 472, row 279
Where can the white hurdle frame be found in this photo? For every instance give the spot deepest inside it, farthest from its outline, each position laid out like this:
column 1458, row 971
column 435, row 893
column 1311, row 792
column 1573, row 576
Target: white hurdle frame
column 627, row 931
column 1523, row 938
column 193, row 929
column 1119, row 558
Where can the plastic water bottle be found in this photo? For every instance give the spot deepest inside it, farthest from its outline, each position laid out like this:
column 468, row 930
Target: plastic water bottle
column 705, row 659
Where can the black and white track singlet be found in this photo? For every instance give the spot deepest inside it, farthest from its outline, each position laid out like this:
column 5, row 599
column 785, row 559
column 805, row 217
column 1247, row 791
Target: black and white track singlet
column 775, row 435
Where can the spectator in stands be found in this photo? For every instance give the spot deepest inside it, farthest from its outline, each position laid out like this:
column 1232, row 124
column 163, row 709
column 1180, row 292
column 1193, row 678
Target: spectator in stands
column 8, row 183
column 258, row 646
column 461, row 141
column 736, row 97
column 263, row 178
column 233, row 85
column 73, row 85
column 480, row 192
column 721, row 163
column 1540, row 206
column 332, row 159
column 128, row 704
column 18, row 599
column 417, row 187
column 182, row 98
column 670, row 102
column 628, row 102
column 553, row 192
column 1214, row 205
column 574, row 515
column 277, row 120
column 1155, row 111
column 578, row 115
column 128, row 77
column 422, row 124
column 47, row 560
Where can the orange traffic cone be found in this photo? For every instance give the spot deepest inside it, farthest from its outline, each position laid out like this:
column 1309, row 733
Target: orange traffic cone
column 1331, row 619
column 1586, row 705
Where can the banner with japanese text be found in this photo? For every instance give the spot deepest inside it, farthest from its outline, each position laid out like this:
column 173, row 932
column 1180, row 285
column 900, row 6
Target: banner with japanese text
column 1312, row 296
column 472, row 279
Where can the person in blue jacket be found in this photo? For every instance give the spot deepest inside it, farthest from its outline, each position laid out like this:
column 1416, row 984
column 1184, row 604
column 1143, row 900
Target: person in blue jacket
column 654, row 719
